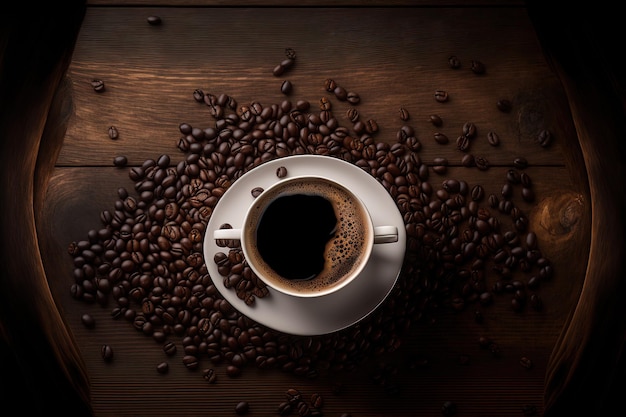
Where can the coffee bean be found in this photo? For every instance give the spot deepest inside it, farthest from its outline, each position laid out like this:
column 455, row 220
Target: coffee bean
column 544, row 138
column 113, row 133
column 436, row 120
column 209, row 375
column 440, row 138
column 353, row 98
column 286, row 87
column 120, row 161
column 371, row 126
column 477, row 67
column 468, row 160
column 290, row 53
column 341, row 93
column 107, row 353
column 477, row 193
column 469, row 130
column 256, row 191
column 97, row 85
column 520, row 162
column 242, row 408
column 404, row 114
column 325, row 103
column 463, row 143
column 352, row 114
column 330, row 85
column 504, row 105
column 281, row 172
column 88, row 321
column 525, row 362
column 169, row 348
column 454, row 62
column 448, row 409
column 481, row 163
column 441, row 96
column 163, row 368
column 154, row 20
column 493, row 138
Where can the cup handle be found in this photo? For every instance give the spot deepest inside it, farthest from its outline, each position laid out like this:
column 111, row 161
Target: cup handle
column 385, row 234
column 227, row 234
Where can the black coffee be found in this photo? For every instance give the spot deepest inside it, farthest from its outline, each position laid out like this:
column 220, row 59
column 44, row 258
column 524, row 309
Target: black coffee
column 293, row 233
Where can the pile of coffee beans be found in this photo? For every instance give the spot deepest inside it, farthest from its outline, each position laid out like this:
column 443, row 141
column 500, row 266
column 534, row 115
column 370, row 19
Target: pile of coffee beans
column 464, row 249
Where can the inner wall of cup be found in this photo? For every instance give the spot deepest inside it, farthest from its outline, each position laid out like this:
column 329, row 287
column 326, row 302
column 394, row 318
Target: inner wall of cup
column 358, row 232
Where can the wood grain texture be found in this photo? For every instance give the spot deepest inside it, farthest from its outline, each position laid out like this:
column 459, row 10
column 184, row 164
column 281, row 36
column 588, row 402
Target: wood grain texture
column 392, row 56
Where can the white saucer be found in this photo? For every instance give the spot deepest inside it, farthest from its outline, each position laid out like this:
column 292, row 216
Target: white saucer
column 328, row 313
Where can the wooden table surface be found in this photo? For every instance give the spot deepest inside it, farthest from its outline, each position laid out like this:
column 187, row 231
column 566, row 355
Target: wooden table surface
column 392, row 57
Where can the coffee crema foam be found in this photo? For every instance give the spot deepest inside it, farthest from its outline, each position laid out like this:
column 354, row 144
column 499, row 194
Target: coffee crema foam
column 344, row 251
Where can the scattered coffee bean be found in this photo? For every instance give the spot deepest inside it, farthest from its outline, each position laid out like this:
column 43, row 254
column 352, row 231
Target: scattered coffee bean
column 88, row 321
column 286, row 87
column 330, row 85
column 544, row 138
column 256, row 191
column 97, row 85
column 107, row 353
column 454, row 62
column 113, row 132
column 169, row 348
column 341, row 93
column 353, row 98
column 481, row 163
column 525, row 362
column 163, row 368
column 154, row 20
column 448, row 409
column 468, row 160
column 242, row 408
column 469, row 130
column 477, row 67
column 120, row 161
column 441, row 96
column 209, row 375
column 520, row 162
column 440, row 138
column 404, row 114
column 436, row 120
column 493, row 139
column 281, row 172
column 463, row 143
column 504, row 105
column 290, row 53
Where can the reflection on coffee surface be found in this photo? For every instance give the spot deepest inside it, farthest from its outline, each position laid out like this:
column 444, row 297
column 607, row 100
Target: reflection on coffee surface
column 309, row 234
column 293, row 232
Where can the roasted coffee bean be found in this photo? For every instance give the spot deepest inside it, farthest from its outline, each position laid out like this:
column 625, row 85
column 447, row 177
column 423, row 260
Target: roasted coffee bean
column 481, row 163
column 371, row 126
column 353, row 98
column 97, row 85
column 463, row 143
column 169, row 348
column 352, row 114
column 107, row 353
column 113, row 133
column 256, row 191
column 404, row 114
column 325, row 103
column 120, row 161
column 528, row 194
column 242, row 407
column 281, row 172
column 504, row 105
column 88, row 321
column 493, row 139
column 341, row 93
column 448, row 409
column 436, row 120
column 163, row 367
column 469, row 130
column 520, row 162
column 190, row 362
column 468, row 160
column 209, row 375
column 477, row 67
column 440, row 138
column 525, row 362
column 286, row 87
column 284, row 408
column 544, row 138
column 330, row 85
column 478, row 192
column 290, row 53
column 441, row 96
column 454, row 62
column 154, row 20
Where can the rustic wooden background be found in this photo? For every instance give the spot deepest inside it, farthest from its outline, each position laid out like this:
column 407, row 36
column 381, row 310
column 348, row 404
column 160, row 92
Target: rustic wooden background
column 58, row 176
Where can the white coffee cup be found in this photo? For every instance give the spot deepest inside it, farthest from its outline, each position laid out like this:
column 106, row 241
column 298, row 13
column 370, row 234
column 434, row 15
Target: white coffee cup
column 307, row 236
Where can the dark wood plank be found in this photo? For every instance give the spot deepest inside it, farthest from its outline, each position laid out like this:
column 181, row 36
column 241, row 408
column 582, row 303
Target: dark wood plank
column 152, row 72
